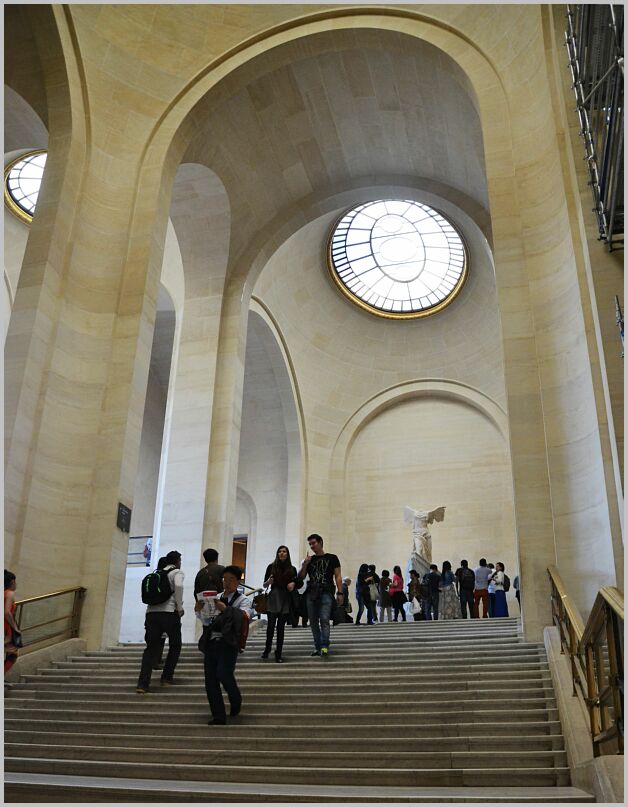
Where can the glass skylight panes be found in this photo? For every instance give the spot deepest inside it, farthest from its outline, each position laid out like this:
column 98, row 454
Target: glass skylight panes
column 23, row 181
column 397, row 258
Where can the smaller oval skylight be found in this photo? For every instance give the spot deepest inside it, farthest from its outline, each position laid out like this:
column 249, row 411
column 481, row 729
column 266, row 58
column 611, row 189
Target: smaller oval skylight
column 22, row 180
column 397, row 258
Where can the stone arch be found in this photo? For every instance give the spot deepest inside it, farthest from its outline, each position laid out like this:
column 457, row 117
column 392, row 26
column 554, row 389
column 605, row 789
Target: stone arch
column 369, row 484
column 410, row 390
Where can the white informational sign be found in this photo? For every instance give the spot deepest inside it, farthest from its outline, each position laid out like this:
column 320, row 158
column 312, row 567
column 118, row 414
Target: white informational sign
column 209, row 610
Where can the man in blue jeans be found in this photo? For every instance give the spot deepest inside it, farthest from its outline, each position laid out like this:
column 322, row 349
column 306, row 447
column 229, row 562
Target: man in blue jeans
column 325, row 580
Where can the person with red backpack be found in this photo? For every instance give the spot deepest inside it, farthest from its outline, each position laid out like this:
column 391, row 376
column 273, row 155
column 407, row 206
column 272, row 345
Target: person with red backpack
column 222, row 641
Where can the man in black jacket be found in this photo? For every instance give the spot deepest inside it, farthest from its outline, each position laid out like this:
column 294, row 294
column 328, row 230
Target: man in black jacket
column 465, row 584
column 209, row 578
column 222, row 645
column 432, row 579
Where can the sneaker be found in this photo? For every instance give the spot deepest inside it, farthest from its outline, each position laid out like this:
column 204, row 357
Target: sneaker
column 141, row 691
column 325, row 652
column 316, row 653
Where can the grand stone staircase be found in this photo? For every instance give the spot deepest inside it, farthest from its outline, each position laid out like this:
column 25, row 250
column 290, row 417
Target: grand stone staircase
column 412, row 712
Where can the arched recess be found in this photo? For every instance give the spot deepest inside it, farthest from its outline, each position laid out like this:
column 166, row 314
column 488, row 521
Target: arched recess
column 434, row 442
column 272, row 461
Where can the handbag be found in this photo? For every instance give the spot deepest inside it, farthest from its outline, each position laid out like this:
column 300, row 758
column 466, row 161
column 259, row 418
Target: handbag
column 340, row 615
column 260, row 602
column 16, row 639
column 373, row 592
column 416, row 606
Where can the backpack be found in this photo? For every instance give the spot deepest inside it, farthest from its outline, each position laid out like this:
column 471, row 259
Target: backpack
column 466, row 579
column 244, row 630
column 506, row 582
column 156, row 587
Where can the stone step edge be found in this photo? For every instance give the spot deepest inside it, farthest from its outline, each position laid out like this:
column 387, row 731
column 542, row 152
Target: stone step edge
column 525, row 754
column 533, row 794
column 544, row 707
column 92, row 738
column 307, row 770
column 272, row 727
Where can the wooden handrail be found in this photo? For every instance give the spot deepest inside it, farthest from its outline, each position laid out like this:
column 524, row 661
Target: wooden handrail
column 570, row 607
column 607, row 596
column 67, row 631
column 595, row 653
column 52, row 594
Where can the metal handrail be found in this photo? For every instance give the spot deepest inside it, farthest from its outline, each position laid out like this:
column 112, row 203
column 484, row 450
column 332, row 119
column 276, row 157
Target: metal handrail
column 72, row 619
column 598, row 676
column 46, row 596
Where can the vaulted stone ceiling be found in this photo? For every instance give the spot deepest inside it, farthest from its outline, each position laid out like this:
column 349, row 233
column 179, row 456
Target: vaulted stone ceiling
column 314, row 115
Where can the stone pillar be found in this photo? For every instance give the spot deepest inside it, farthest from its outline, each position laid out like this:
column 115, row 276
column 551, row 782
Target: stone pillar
column 199, row 211
column 222, row 476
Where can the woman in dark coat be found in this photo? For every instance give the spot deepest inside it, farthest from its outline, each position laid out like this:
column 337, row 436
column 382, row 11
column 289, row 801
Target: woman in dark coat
column 281, row 576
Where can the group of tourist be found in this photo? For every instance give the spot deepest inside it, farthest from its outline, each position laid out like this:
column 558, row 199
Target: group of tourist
column 443, row 594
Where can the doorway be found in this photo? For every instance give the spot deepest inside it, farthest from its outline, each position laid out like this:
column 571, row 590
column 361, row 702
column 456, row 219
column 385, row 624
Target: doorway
column 238, row 556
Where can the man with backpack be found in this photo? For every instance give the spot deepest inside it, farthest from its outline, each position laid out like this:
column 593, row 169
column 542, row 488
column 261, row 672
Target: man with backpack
column 221, row 642
column 465, row 585
column 162, row 591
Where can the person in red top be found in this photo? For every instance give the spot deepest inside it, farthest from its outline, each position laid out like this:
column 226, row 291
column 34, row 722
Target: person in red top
column 11, row 630
column 396, row 592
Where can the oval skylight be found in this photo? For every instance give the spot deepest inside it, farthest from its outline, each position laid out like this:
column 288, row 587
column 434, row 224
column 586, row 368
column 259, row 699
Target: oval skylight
column 397, row 259
column 22, row 182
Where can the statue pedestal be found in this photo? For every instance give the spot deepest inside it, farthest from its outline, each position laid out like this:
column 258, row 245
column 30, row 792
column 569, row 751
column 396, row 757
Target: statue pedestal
column 419, row 564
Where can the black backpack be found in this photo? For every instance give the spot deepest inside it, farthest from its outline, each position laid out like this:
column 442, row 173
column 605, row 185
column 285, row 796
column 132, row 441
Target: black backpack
column 466, row 579
column 506, row 582
column 156, row 587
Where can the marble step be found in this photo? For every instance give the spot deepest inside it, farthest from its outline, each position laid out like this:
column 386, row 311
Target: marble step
column 415, row 714
column 279, row 692
column 457, row 643
column 511, row 725
column 310, row 773
column 33, row 787
column 280, row 744
column 269, row 673
column 259, row 703
column 293, row 685
column 470, row 661
column 340, row 757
